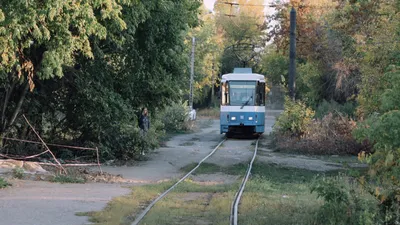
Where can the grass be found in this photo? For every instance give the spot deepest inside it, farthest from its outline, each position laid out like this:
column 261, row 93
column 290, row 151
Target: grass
column 120, row 210
column 3, row 183
column 18, row 172
column 273, row 195
column 209, row 113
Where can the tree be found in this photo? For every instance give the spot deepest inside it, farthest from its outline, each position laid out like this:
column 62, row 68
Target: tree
column 112, row 63
column 39, row 38
column 243, row 34
column 208, row 49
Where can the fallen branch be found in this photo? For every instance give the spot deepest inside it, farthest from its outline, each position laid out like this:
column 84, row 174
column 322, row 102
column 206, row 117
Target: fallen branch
column 69, row 165
column 21, row 158
column 55, row 159
column 55, row 145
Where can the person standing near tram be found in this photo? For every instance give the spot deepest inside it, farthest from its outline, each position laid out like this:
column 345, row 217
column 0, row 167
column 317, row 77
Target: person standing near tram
column 144, row 124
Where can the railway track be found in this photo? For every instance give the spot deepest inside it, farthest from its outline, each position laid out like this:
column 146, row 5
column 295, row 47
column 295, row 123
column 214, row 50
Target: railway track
column 236, row 201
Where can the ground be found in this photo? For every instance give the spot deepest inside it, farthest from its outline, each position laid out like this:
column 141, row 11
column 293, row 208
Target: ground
column 39, row 202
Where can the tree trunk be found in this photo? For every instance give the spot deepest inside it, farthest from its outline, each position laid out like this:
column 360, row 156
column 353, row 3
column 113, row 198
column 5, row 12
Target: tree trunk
column 17, row 109
column 5, row 104
column 21, row 100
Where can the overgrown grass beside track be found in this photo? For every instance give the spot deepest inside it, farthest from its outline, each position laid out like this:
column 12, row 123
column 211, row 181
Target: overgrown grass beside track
column 273, row 195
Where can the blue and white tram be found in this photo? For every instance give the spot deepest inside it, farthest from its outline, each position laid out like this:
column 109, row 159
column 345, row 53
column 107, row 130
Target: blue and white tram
column 242, row 103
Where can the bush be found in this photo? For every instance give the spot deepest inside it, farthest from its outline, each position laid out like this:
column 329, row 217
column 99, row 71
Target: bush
column 3, row 183
column 18, row 173
column 331, row 135
column 175, row 117
column 382, row 129
column 125, row 142
column 344, row 202
column 325, row 107
column 294, row 119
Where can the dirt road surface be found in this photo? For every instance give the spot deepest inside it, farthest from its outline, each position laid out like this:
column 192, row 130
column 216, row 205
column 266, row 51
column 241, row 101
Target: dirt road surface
column 44, row 203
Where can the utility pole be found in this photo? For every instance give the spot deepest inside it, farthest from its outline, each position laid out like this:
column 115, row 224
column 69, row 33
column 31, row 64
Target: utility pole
column 191, row 75
column 292, row 57
column 213, row 82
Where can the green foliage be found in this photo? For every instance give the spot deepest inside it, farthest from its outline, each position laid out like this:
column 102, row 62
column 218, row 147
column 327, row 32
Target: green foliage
column 325, row 107
column 46, row 35
column 112, row 57
column 344, row 202
column 175, row 117
column 276, row 67
column 383, row 130
column 18, row 173
column 3, row 183
column 295, row 118
column 309, row 83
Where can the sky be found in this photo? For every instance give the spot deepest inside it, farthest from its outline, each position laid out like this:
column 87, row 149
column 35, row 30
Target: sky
column 209, row 4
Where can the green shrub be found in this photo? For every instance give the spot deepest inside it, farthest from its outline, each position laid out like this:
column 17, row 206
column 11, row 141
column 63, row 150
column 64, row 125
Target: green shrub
column 18, row 172
column 325, row 107
column 295, row 118
column 127, row 143
column 3, row 183
column 382, row 129
column 309, row 83
column 344, row 202
column 175, row 117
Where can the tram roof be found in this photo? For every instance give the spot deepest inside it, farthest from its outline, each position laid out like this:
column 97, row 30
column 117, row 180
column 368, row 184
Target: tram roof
column 243, row 76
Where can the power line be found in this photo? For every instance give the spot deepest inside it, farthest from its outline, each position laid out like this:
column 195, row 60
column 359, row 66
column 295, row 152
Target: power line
column 272, row 5
column 238, row 4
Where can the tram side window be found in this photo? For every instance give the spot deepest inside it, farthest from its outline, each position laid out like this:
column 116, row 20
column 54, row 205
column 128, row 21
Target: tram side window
column 225, row 94
column 261, row 94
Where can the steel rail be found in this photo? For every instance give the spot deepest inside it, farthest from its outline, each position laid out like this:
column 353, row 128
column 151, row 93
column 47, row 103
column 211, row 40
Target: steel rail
column 145, row 211
column 235, row 204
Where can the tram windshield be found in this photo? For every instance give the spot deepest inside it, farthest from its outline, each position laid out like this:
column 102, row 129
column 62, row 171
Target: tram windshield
column 242, row 93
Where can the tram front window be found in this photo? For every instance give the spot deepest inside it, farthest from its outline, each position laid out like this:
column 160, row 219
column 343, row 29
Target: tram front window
column 242, row 93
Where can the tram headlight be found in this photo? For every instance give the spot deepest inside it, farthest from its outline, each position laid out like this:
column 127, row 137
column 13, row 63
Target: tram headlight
column 250, row 118
column 233, row 118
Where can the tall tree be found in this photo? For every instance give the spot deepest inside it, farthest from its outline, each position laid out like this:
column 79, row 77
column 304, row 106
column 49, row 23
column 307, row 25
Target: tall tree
column 39, row 38
column 242, row 23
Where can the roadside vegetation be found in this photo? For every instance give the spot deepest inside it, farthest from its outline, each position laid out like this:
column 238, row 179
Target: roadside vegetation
column 3, row 183
column 347, row 102
column 274, row 194
column 82, row 72
column 212, row 113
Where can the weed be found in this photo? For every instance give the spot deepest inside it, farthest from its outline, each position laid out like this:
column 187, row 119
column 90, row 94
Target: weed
column 274, row 195
column 209, row 113
column 18, row 173
column 122, row 210
column 3, row 183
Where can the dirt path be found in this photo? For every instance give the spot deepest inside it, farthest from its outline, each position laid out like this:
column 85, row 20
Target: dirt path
column 44, row 203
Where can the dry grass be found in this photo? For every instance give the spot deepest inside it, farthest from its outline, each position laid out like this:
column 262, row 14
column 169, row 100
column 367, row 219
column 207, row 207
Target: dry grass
column 209, row 113
column 121, row 210
column 331, row 135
